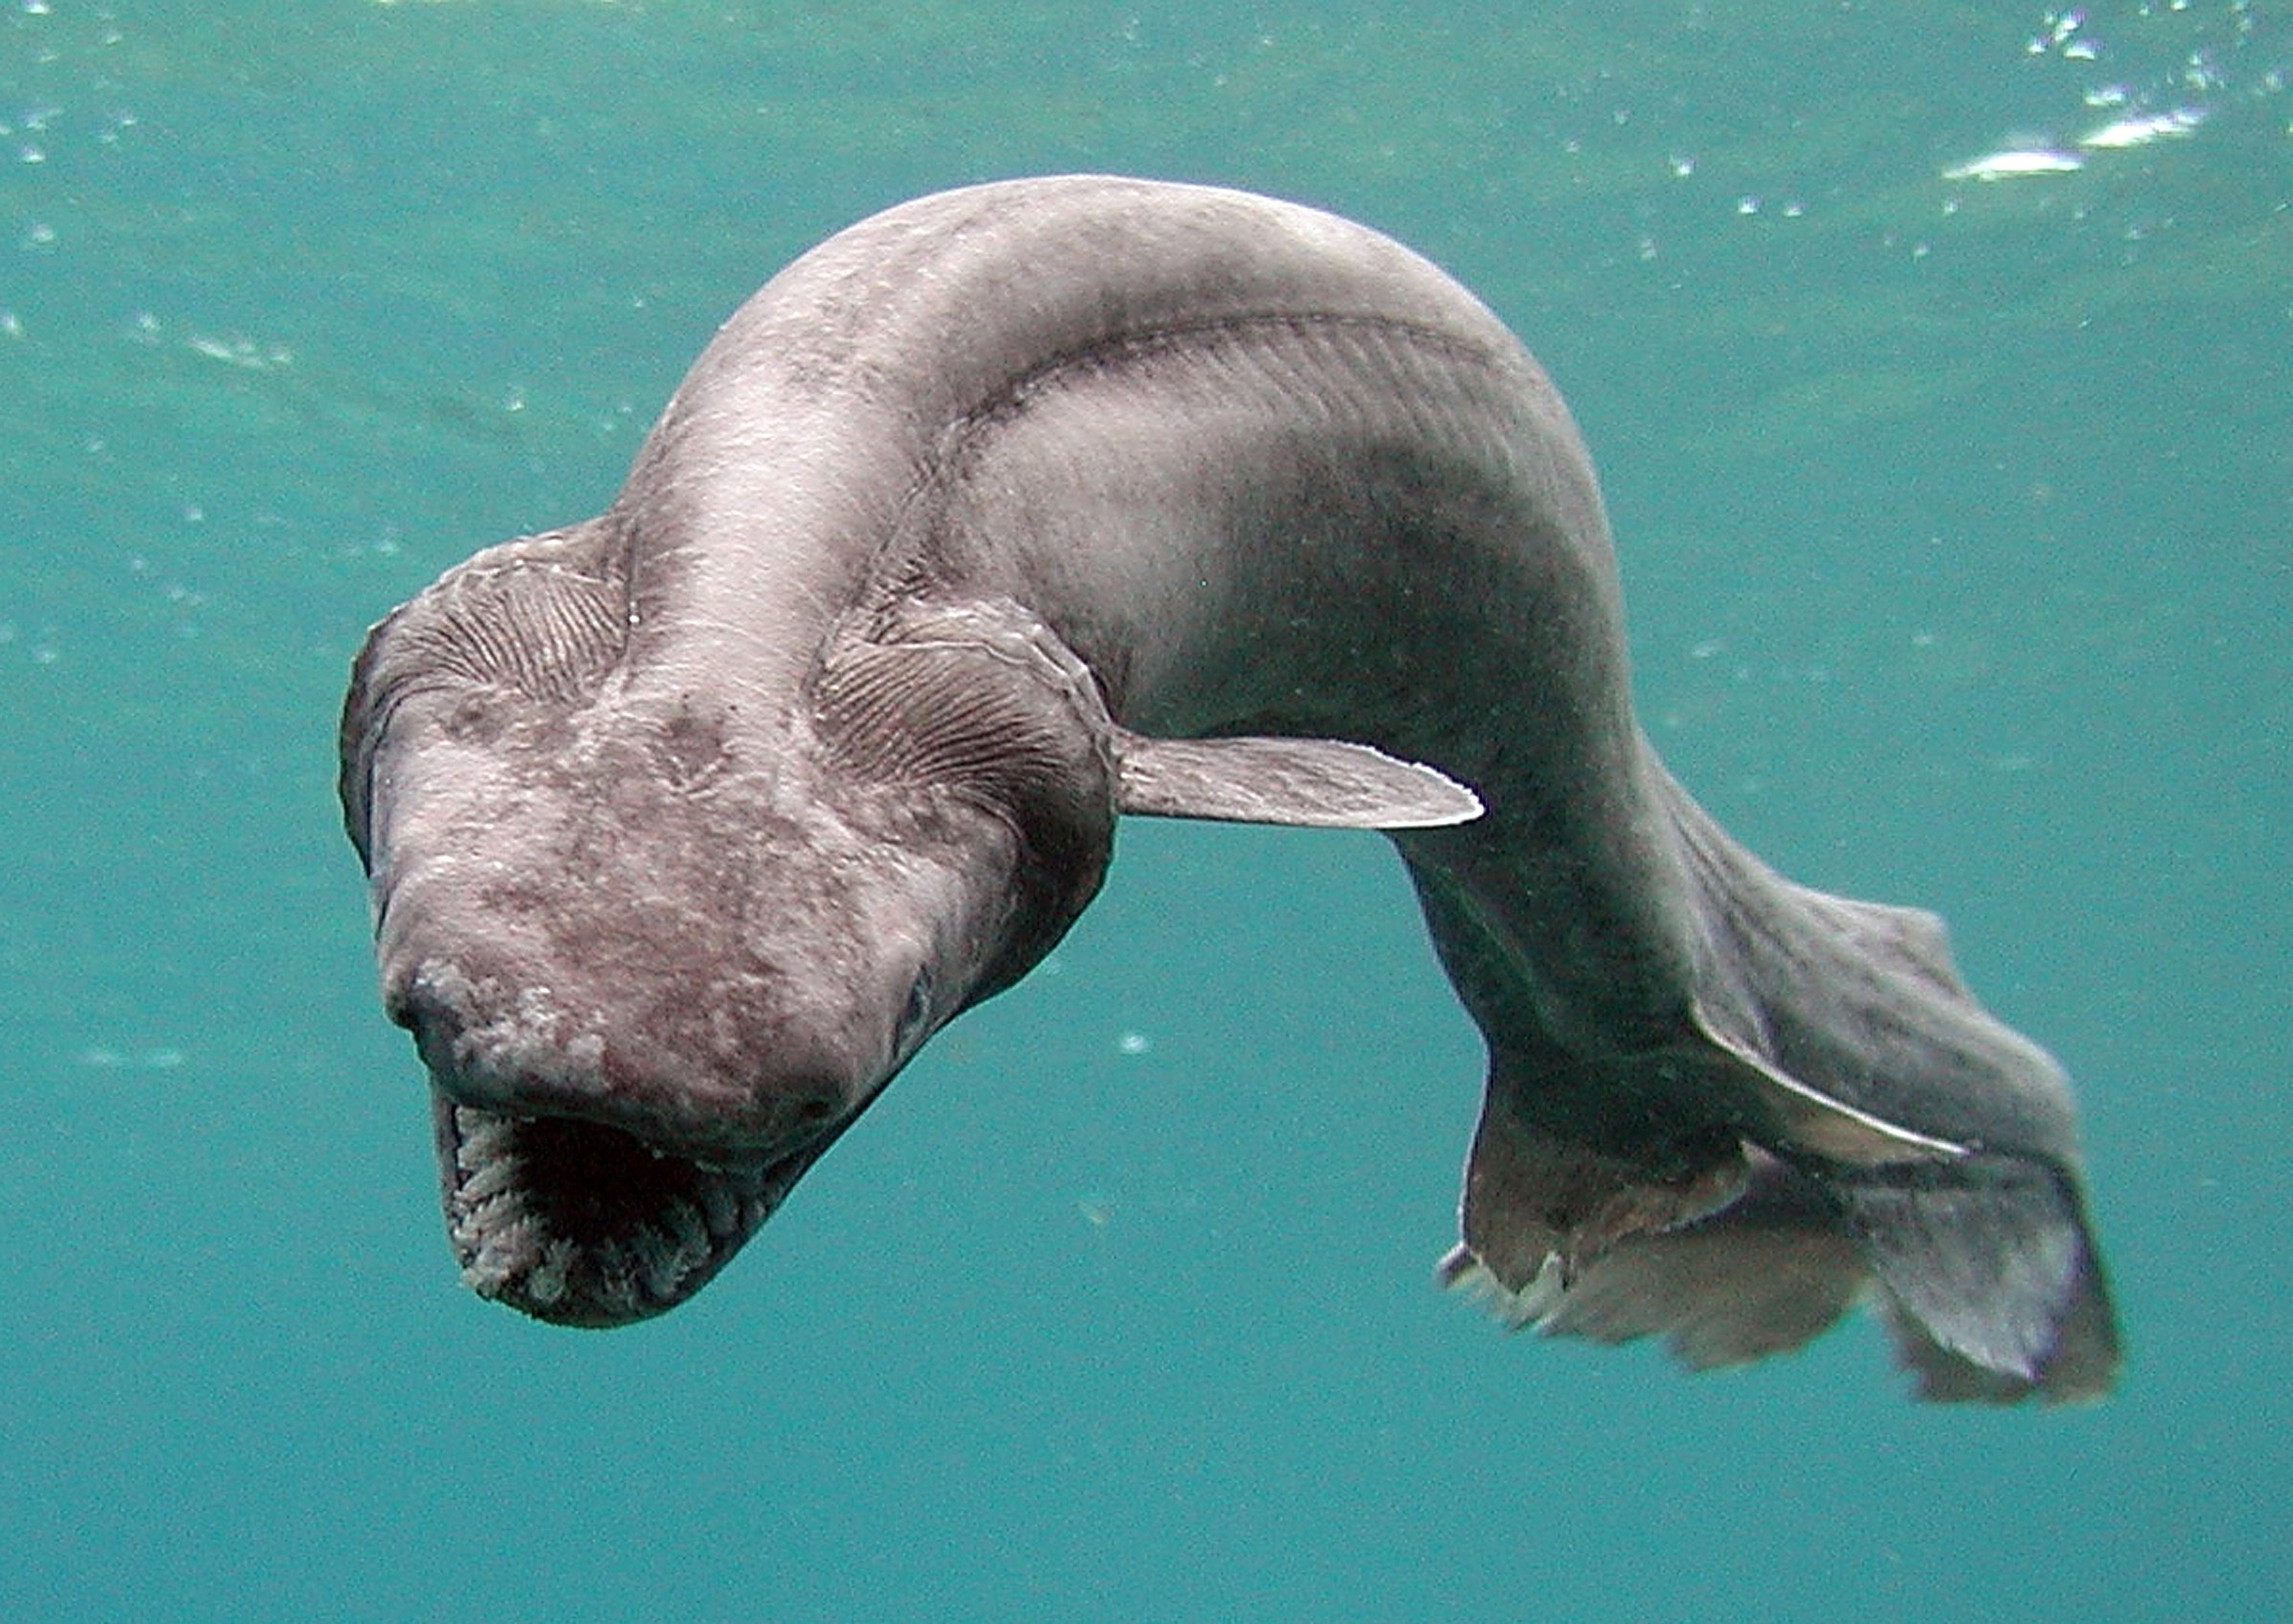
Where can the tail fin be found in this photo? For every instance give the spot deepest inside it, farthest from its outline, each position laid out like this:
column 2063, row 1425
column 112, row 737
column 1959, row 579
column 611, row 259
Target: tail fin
column 1810, row 1107
column 1985, row 1277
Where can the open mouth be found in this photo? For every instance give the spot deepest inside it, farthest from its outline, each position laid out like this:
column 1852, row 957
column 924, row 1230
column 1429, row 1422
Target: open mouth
column 579, row 1223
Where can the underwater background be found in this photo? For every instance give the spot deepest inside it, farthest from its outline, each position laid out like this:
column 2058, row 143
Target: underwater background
column 1935, row 358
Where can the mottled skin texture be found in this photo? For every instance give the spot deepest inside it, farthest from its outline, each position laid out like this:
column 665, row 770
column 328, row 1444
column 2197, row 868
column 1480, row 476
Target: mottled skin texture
column 1017, row 508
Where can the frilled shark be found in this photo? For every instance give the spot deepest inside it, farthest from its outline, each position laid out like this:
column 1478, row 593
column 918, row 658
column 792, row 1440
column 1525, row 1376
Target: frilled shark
column 1023, row 506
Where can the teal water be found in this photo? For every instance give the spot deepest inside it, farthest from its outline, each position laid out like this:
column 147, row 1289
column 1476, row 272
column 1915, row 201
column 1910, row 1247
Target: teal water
column 1956, row 519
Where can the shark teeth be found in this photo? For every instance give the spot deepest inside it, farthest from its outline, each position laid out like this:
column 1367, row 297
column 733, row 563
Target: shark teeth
column 581, row 1224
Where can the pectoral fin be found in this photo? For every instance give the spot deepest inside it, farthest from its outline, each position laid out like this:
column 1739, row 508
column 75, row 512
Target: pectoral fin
column 1316, row 783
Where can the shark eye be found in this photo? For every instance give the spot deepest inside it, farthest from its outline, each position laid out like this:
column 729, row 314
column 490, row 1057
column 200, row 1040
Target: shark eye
column 918, row 1008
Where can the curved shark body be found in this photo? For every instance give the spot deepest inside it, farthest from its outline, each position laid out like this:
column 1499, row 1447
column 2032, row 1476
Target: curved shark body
column 1021, row 506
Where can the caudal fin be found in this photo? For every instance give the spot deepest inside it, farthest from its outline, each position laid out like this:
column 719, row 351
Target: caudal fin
column 1808, row 1109
column 1987, row 1277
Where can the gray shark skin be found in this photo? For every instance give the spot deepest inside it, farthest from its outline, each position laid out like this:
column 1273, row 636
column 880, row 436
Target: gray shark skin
column 1022, row 507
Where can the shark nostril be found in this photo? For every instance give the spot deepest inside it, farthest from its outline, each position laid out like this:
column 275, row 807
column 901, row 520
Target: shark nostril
column 798, row 1111
column 411, row 1002
column 429, row 995
column 804, row 1113
column 436, row 1023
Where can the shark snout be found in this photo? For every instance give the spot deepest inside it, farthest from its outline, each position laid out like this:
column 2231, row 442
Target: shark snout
column 683, row 1079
